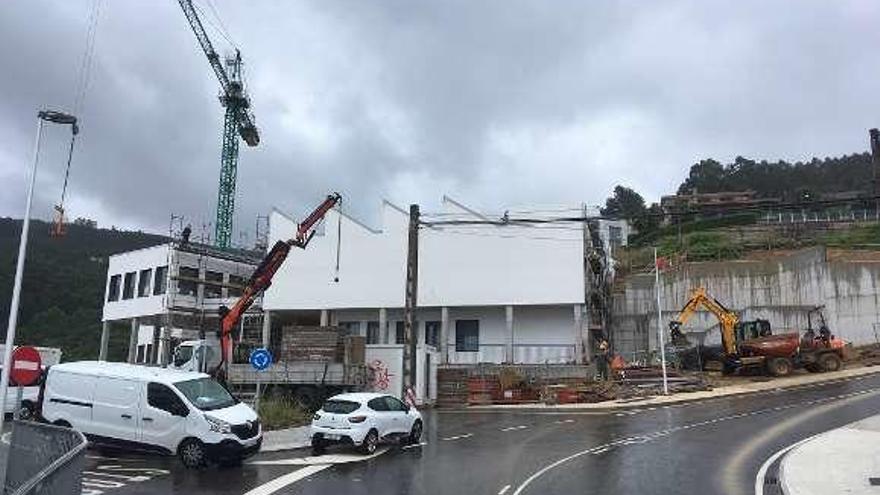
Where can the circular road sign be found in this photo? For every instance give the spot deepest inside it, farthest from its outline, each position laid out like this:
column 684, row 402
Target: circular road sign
column 261, row 359
column 26, row 366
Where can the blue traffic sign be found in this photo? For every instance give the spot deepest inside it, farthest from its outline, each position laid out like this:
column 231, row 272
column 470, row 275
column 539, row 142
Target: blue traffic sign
column 261, row 359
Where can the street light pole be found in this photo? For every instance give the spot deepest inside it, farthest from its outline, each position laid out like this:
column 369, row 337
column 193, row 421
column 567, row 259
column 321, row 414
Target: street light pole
column 58, row 118
column 660, row 324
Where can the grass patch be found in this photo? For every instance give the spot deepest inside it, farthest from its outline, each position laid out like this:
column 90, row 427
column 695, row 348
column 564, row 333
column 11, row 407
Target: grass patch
column 281, row 412
column 854, row 237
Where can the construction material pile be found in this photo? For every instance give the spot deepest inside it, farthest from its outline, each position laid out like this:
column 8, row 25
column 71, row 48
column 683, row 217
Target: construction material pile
column 307, row 343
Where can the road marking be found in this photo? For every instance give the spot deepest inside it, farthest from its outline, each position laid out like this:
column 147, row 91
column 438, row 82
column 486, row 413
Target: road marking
column 320, row 460
column 563, row 421
column 513, row 428
column 504, row 490
column 762, row 473
column 412, row 446
column 287, row 479
column 5, row 437
column 600, row 449
column 458, row 437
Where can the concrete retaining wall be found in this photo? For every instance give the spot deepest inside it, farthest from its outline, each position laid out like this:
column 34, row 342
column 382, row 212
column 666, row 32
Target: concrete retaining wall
column 779, row 289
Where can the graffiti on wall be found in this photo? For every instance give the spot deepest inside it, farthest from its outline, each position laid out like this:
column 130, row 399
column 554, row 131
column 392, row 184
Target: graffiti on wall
column 380, row 377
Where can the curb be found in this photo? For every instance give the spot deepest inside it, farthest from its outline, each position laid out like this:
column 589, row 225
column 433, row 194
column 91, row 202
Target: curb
column 284, row 446
column 673, row 401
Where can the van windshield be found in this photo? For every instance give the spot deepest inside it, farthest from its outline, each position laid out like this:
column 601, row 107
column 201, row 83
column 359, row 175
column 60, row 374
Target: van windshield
column 182, row 355
column 206, row 394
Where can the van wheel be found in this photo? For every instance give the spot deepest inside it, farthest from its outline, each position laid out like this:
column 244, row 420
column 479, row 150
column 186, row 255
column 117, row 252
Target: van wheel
column 830, row 362
column 371, row 441
column 26, row 412
column 779, row 366
column 193, row 453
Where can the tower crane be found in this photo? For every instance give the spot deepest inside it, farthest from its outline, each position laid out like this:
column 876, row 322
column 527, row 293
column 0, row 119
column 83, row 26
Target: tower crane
column 238, row 120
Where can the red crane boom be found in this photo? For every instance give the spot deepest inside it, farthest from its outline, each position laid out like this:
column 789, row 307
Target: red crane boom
column 261, row 279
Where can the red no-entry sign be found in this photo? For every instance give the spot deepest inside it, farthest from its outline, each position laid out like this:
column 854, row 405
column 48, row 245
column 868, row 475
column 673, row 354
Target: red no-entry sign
column 26, row 366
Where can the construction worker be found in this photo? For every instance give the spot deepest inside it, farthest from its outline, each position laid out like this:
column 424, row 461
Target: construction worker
column 602, row 359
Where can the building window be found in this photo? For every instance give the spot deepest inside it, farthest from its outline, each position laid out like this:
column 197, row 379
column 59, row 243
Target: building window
column 467, row 335
column 372, row 332
column 188, row 281
column 238, row 282
column 160, row 280
column 213, row 285
column 399, row 334
column 128, row 285
column 144, row 282
column 140, row 354
column 113, row 290
column 350, row 327
column 432, row 333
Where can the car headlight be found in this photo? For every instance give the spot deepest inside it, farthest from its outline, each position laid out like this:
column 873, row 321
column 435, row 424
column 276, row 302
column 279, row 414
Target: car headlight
column 218, row 425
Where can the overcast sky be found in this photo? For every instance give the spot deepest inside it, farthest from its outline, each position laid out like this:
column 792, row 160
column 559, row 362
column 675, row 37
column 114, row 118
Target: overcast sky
column 495, row 103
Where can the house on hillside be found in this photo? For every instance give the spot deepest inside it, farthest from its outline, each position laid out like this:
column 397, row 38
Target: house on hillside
column 510, row 293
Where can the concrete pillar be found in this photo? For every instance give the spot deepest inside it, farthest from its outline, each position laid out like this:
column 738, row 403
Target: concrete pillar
column 267, row 328
column 579, row 339
column 164, row 346
column 508, row 317
column 133, row 340
column 157, row 329
column 444, row 335
column 325, row 317
column 334, row 318
column 105, row 341
column 383, row 326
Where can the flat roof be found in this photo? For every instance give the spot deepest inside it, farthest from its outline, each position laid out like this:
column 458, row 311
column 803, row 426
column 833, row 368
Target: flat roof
column 125, row 370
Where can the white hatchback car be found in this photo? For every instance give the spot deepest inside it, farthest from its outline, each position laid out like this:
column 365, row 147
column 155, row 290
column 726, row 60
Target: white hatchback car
column 363, row 420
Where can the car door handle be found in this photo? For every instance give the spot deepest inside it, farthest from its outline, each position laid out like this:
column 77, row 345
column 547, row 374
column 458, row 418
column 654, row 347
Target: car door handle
column 126, row 416
column 148, row 419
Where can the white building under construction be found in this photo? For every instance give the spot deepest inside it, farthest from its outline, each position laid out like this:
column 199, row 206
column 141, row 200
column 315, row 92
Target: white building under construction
column 495, row 293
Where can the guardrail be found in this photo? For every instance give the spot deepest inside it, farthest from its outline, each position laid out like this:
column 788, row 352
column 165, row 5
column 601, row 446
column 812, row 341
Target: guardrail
column 44, row 459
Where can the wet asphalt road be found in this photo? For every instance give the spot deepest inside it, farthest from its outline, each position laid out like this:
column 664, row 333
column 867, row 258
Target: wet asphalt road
column 706, row 447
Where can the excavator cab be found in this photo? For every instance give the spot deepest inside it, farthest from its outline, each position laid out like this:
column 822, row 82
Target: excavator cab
column 748, row 330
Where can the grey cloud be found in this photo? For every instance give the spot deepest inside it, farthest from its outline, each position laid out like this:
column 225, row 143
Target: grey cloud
column 497, row 102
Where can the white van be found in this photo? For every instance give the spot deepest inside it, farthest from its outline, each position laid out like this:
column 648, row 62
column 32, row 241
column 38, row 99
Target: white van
column 153, row 409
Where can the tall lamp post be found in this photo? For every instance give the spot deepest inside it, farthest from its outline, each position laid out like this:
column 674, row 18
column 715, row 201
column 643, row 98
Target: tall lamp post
column 42, row 116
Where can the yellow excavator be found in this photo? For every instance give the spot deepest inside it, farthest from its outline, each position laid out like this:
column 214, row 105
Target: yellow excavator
column 751, row 344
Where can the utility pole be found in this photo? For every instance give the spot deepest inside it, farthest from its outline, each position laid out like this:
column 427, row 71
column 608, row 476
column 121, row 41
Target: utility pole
column 660, row 323
column 875, row 161
column 411, row 302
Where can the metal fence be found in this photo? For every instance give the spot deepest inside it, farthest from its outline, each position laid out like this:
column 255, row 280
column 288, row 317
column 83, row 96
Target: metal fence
column 44, row 459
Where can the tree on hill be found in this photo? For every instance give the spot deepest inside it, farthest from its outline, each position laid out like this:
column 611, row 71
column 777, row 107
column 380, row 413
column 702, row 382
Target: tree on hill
column 626, row 203
column 781, row 179
column 63, row 287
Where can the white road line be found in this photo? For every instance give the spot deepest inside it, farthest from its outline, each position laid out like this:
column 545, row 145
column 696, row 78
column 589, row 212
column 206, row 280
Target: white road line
column 512, row 428
column 563, row 421
column 329, row 459
column 407, row 447
column 287, row 479
column 504, row 490
column 458, row 437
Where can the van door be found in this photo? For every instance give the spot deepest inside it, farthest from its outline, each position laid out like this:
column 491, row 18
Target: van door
column 163, row 421
column 115, row 411
column 69, row 397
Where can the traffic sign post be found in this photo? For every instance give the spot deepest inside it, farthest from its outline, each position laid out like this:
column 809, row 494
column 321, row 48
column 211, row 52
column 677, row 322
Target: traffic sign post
column 24, row 371
column 261, row 360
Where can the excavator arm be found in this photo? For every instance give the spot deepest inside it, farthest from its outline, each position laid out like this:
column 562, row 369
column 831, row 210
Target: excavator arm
column 261, row 279
column 726, row 318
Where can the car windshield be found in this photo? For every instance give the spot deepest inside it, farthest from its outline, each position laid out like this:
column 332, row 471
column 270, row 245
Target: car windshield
column 340, row 406
column 206, row 394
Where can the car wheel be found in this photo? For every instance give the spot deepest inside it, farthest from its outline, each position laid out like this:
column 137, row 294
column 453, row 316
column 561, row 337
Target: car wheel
column 830, row 362
column 415, row 434
column 318, row 447
column 370, row 443
column 193, row 454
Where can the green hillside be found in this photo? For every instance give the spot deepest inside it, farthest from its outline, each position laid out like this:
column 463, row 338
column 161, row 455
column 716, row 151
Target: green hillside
column 63, row 286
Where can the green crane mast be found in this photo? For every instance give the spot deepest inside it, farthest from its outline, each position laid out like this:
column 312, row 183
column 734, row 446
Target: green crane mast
column 238, row 121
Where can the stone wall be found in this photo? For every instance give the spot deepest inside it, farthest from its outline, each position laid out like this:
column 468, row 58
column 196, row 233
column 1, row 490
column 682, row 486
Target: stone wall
column 779, row 289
